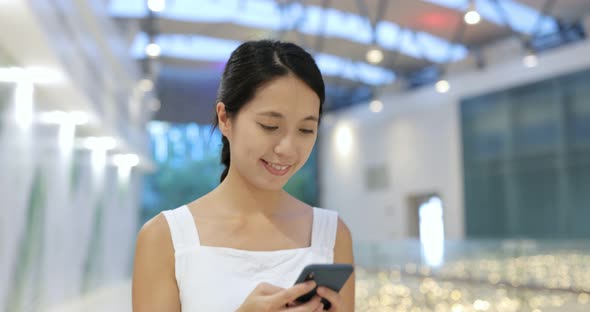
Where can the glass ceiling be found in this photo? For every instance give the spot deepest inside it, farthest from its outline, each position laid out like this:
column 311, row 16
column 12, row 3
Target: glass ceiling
column 266, row 14
column 521, row 18
column 203, row 48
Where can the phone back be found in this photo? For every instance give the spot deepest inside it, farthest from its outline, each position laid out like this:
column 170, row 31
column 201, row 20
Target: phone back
column 333, row 276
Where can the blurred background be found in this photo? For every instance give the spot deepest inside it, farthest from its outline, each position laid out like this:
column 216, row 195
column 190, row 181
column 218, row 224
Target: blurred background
column 455, row 142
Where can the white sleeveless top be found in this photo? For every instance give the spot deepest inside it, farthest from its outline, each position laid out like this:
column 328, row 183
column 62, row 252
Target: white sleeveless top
column 220, row 278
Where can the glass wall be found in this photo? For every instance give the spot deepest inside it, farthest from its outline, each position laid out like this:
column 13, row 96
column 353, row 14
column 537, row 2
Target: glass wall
column 527, row 160
column 68, row 218
column 5, row 90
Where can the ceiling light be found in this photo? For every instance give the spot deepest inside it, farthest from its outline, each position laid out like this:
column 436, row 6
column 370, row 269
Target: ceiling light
column 472, row 17
column 374, row 56
column 23, row 101
column 56, row 117
column 153, row 50
column 12, row 74
column 530, row 60
column 155, row 105
column 376, row 106
column 146, row 85
column 35, row 75
column 100, row 143
column 126, row 160
column 78, row 118
column 44, row 75
column 156, row 5
column 442, row 86
column 60, row 117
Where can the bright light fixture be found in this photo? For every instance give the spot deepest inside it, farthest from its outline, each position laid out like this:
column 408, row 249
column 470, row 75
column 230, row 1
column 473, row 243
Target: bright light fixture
column 155, row 105
column 376, row 106
column 44, row 75
column 442, row 86
column 374, row 56
column 60, row 117
column 40, row 75
column 78, row 118
column 23, row 101
column 153, row 50
column 126, row 160
column 472, row 17
column 146, row 85
column 156, row 5
column 12, row 74
column 530, row 60
column 100, row 143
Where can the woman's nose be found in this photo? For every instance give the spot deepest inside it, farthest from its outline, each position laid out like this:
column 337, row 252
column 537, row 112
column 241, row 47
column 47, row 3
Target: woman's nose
column 285, row 146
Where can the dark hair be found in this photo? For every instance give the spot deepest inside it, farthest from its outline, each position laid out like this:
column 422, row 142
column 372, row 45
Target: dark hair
column 255, row 63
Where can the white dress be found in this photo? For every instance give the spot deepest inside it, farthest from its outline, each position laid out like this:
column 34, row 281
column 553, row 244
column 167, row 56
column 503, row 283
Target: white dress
column 219, row 278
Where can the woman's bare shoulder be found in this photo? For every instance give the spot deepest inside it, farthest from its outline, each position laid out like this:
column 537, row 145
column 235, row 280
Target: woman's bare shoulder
column 154, row 242
column 154, row 282
column 156, row 233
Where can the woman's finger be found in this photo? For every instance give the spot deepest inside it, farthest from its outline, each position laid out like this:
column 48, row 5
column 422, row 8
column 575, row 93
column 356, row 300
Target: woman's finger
column 289, row 295
column 312, row 305
column 267, row 289
column 293, row 304
column 320, row 307
column 332, row 296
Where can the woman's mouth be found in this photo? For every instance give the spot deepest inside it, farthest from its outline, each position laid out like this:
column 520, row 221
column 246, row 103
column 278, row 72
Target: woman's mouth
column 276, row 169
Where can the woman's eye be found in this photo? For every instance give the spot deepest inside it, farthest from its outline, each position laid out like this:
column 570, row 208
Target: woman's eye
column 306, row 131
column 269, row 128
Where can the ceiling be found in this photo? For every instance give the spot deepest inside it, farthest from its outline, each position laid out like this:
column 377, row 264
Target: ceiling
column 416, row 36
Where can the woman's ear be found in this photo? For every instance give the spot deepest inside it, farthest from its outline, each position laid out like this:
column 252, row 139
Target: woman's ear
column 223, row 119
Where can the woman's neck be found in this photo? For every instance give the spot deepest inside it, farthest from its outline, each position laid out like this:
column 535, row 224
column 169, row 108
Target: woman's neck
column 246, row 200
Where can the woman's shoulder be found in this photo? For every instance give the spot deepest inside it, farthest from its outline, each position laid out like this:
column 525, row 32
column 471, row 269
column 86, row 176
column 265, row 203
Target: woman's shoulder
column 154, row 282
column 155, row 233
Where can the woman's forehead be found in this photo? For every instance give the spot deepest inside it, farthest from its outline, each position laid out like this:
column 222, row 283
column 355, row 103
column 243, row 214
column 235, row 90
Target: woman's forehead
column 285, row 95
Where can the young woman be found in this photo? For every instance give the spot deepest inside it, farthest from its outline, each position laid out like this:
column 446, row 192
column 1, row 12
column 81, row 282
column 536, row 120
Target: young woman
column 242, row 246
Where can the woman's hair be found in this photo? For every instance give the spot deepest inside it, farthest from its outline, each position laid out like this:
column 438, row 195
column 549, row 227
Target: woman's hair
column 255, row 63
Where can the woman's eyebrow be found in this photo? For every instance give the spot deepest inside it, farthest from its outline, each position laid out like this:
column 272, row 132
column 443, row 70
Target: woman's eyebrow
column 279, row 115
column 272, row 114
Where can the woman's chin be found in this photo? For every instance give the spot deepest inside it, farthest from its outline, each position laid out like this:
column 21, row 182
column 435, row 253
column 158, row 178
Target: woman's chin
column 272, row 186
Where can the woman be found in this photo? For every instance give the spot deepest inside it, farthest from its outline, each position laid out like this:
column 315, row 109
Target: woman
column 241, row 246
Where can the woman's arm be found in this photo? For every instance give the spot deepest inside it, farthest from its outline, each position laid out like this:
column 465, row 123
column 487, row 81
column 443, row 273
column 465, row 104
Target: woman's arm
column 343, row 254
column 154, row 281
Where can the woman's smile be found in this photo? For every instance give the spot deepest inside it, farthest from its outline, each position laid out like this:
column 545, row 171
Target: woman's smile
column 275, row 169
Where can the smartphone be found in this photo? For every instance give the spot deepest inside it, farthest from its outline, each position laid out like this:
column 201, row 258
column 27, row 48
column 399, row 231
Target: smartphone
column 333, row 276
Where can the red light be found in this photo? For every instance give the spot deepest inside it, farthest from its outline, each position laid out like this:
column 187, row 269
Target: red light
column 437, row 20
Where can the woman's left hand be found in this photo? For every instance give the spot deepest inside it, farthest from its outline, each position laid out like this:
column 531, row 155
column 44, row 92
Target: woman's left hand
column 333, row 297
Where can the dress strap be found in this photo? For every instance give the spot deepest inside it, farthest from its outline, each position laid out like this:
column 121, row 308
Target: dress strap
column 325, row 224
column 182, row 228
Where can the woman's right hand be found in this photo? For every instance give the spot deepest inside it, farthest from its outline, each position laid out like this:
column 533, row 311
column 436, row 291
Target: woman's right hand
column 269, row 298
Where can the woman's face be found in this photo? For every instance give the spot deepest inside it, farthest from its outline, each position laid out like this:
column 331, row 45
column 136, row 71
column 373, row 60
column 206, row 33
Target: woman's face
column 272, row 136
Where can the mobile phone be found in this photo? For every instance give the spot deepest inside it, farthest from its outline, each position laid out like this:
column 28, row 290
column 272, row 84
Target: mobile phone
column 332, row 276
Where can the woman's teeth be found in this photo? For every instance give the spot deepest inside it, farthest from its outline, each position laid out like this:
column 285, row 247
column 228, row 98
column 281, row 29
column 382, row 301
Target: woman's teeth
column 278, row 167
